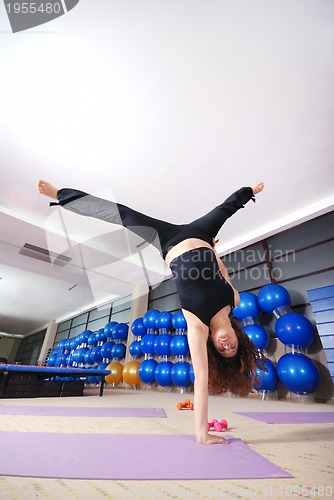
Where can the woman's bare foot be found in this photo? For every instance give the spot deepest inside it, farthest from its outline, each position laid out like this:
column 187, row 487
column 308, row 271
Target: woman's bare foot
column 47, row 189
column 257, row 188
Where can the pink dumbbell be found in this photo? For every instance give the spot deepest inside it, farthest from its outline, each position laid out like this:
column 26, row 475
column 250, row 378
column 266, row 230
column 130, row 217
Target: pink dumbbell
column 224, row 424
column 212, row 423
column 217, row 426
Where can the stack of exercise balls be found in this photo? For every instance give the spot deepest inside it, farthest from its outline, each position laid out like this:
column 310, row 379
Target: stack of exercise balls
column 130, row 370
column 114, row 350
column 296, row 371
column 148, row 365
column 89, row 349
column 247, row 312
column 180, row 372
column 162, row 350
column 110, row 339
column 159, row 355
column 162, row 341
column 139, row 330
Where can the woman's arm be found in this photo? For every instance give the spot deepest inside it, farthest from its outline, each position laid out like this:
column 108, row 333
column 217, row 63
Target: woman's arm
column 197, row 339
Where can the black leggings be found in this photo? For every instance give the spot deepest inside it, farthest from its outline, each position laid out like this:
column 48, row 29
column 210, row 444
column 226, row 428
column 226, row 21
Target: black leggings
column 163, row 235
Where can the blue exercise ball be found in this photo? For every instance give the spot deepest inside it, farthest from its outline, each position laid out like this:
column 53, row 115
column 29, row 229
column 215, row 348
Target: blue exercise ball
column 96, row 354
column 294, row 329
column 106, row 349
column 75, row 355
column 191, row 374
column 179, row 321
column 109, row 328
column 79, row 355
column 164, row 321
column 72, row 343
column 69, row 359
column 138, row 328
column 62, row 360
column 85, row 336
column 72, row 359
column 120, row 332
column 161, row 344
column 135, row 349
column 118, row 351
column 180, row 374
column 147, row 343
column 179, row 345
column 248, row 306
column 268, row 380
column 92, row 342
column 57, row 362
column 298, row 373
column 100, row 336
column 61, row 344
column 162, row 373
column 149, row 318
column 88, row 358
column 146, row 371
column 67, row 346
column 272, row 296
column 77, row 341
column 258, row 335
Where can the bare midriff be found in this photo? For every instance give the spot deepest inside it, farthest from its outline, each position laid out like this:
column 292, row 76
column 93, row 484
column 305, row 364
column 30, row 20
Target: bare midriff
column 185, row 246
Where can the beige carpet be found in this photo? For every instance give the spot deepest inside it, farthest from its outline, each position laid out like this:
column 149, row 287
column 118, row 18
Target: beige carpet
column 304, row 450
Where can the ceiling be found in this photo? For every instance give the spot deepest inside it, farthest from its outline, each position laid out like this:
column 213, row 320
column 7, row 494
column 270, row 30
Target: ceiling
column 166, row 107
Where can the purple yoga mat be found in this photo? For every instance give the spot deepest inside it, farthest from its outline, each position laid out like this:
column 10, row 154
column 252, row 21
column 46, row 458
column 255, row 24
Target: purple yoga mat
column 81, row 411
column 129, row 456
column 291, row 417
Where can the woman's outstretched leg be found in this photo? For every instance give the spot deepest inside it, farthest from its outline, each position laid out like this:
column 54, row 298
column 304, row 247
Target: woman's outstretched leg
column 81, row 203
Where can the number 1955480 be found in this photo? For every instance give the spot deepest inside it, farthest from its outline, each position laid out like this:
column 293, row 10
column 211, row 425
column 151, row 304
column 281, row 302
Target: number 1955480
column 315, row 491
column 34, row 8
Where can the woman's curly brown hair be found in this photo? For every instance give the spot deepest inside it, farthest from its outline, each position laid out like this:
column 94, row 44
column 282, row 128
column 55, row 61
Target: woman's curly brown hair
column 238, row 373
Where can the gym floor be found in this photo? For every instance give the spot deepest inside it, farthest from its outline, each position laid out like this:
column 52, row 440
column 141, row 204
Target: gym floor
column 305, row 451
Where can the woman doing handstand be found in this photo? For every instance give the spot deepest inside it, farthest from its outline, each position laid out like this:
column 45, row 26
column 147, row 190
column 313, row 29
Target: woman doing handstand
column 223, row 357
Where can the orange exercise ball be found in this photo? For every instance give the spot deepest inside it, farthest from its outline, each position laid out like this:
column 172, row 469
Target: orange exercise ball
column 130, row 373
column 115, row 377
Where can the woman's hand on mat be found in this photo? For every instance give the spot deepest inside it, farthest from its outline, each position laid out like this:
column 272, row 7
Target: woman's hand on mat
column 211, row 439
column 257, row 188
